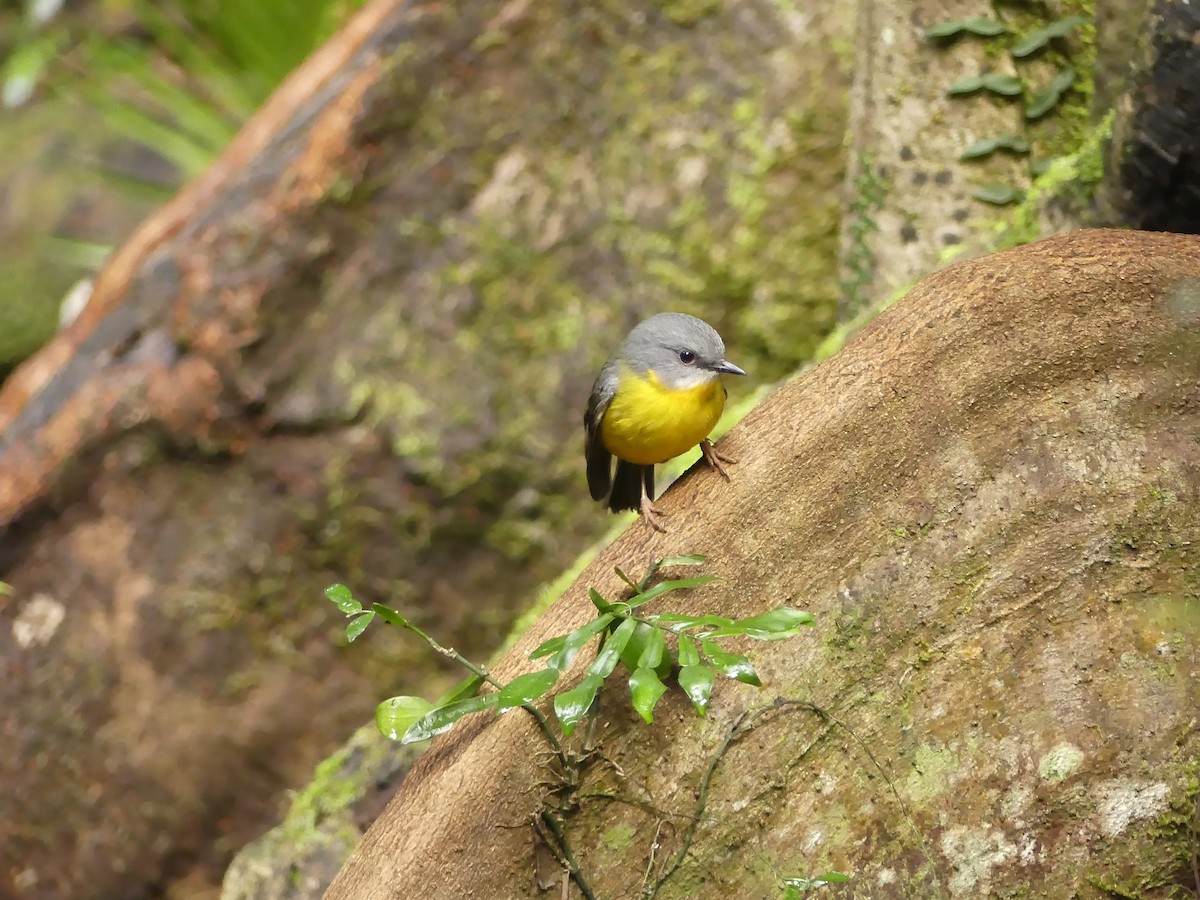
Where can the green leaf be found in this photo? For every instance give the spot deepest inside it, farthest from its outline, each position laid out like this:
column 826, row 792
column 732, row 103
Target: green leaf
column 571, row 706
column 1046, row 99
column 664, row 587
column 998, row 194
column 396, row 715
column 526, row 688
column 599, row 602
column 358, row 625
column 1043, row 36
column 632, row 651
column 646, row 689
column 968, row 85
column 697, row 683
column 798, row 885
column 468, row 687
column 442, row 718
column 731, row 665
column 987, row 146
column 654, row 650
column 625, row 578
column 781, row 622
column 677, row 622
column 566, row 647
column 606, row 660
column 978, row 26
column 688, row 654
column 389, row 615
column 1004, row 85
column 340, row 595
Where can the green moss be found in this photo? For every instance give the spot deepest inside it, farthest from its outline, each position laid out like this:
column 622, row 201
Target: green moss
column 619, row 838
column 930, row 776
column 330, row 794
column 1156, row 861
column 689, row 12
column 1072, row 177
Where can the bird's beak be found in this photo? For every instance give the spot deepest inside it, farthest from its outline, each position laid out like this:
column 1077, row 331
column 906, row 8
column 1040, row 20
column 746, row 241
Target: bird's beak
column 728, row 368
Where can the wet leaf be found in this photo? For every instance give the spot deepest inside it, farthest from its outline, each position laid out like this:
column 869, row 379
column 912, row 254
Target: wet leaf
column 442, row 719
column 645, row 688
column 731, row 665
column 340, row 594
column 526, row 688
column 396, row 715
column 697, row 683
column 358, row 625
column 571, row 706
column 606, row 660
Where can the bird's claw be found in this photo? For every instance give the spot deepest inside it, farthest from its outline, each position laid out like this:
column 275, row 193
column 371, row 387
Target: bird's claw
column 715, row 457
column 650, row 513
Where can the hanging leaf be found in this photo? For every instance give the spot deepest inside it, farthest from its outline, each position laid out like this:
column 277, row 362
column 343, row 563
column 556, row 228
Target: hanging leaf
column 688, row 654
column 389, row 615
column 571, row 706
column 396, row 715
column 731, row 665
column 653, row 651
column 697, row 683
column 358, row 625
column 606, row 660
column 645, row 688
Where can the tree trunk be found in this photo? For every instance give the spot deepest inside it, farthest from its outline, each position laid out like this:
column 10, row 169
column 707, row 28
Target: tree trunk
column 358, row 349
column 1152, row 175
column 989, row 502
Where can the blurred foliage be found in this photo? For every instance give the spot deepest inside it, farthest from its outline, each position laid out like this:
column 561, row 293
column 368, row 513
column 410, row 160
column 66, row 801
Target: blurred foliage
column 109, row 105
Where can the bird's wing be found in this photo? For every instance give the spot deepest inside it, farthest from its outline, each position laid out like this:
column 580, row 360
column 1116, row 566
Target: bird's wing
column 599, row 460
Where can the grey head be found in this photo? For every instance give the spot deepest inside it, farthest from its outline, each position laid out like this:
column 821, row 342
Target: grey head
column 683, row 351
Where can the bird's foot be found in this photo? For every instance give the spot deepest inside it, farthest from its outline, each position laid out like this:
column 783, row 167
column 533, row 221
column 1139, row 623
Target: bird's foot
column 715, row 457
column 650, row 513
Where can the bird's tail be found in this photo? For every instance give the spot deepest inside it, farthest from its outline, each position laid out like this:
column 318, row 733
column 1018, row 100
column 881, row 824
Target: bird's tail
column 627, row 486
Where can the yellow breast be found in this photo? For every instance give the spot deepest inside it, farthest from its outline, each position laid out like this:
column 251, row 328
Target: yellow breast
column 648, row 423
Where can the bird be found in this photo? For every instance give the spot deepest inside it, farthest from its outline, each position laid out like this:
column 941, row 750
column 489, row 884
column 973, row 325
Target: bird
column 658, row 396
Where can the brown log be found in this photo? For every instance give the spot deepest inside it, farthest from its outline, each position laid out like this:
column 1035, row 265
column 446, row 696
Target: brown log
column 989, row 502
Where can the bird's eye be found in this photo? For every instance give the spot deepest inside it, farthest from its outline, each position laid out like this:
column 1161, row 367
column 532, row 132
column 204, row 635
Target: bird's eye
column 687, row 357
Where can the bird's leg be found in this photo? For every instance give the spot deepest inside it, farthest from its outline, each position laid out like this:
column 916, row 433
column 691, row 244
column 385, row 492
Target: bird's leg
column 650, row 512
column 715, row 457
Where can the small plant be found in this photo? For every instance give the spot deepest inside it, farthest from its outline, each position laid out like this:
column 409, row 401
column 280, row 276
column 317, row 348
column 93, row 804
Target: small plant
column 627, row 635
column 1036, row 103
column 795, row 888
